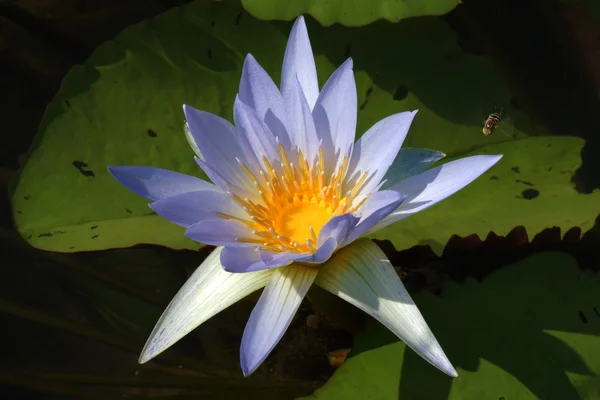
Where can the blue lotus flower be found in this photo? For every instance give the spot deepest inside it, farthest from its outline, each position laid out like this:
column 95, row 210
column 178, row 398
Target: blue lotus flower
column 292, row 195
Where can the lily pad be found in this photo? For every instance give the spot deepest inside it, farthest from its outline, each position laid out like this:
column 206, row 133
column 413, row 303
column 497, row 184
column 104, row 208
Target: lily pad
column 529, row 331
column 123, row 107
column 530, row 186
column 354, row 13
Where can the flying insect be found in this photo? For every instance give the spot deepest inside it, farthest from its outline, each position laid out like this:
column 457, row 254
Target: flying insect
column 497, row 121
column 491, row 123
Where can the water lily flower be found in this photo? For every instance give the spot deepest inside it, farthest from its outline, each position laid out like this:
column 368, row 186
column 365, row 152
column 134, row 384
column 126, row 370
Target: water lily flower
column 291, row 197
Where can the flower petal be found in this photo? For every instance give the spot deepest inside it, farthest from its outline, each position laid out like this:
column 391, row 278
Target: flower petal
column 278, row 128
column 335, row 115
column 255, row 138
column 337, row 228
column 376, row 150
column 378, row 206
column 434, row 185
column 191, row 140
column 273, row 313
column 224, row 185
column 299, row 63
column 323, row 253
column 212, row 174
column 157, row 183
column 186, row 209
column 218, row 144
column 301, row 124
column 409, row 162
column 207, row 292
column 274, row 259
column 221, row 232
column 242, row 259
column 364, row 277
column 258, row 91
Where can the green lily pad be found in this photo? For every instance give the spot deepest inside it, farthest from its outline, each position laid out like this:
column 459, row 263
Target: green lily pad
column 530, row 186
column 529, row 331
column 123, row 107
column 354, row 13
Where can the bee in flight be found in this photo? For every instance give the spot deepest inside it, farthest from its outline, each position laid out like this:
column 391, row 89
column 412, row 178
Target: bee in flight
column 491, row 123
column 497, row 121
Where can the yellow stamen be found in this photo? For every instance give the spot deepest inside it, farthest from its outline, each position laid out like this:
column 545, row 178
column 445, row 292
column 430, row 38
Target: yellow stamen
column 296, row 202
column 358, row 184
column 243, row 221
column 303, row 166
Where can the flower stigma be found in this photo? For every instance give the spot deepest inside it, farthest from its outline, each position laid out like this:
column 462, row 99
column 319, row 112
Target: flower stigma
column 297, row 203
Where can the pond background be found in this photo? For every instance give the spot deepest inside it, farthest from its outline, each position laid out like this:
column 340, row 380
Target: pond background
column 517, row 311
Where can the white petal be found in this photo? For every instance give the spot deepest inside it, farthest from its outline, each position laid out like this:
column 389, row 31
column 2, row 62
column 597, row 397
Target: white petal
column 362, row 275
column 436, row 184
column 273, row 313
column 207, row 292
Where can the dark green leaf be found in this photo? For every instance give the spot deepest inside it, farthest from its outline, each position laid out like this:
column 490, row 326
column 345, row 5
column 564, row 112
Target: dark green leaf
column 123, row 107
column 349, row 13
column 529, row 331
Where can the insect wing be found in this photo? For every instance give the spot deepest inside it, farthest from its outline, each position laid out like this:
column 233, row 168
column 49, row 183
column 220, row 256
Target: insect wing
column 506, row 126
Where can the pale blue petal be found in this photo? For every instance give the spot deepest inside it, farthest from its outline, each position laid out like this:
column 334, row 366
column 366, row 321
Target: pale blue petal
column 362, row 275
column 436, row 184
column 301, row 124
column 338, row 228
column 410, row 162
column 216, row 139
column 335, row 116
column 378, row 206
column 225, row 186
column 207, row 292
column 186, row 209
column 299, row 62
column 254, row 136
column 258, row 90
column 274, row 259
column 248, row 259
column 375, row 151
column 157, row 183
column 220, row 232
column 323, row 253
column 242, row 259
column 279, row 129
column 273, row 313
column 213, row 174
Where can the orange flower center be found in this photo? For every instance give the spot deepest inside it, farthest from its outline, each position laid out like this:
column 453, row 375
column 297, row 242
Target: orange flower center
column 296, row 205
